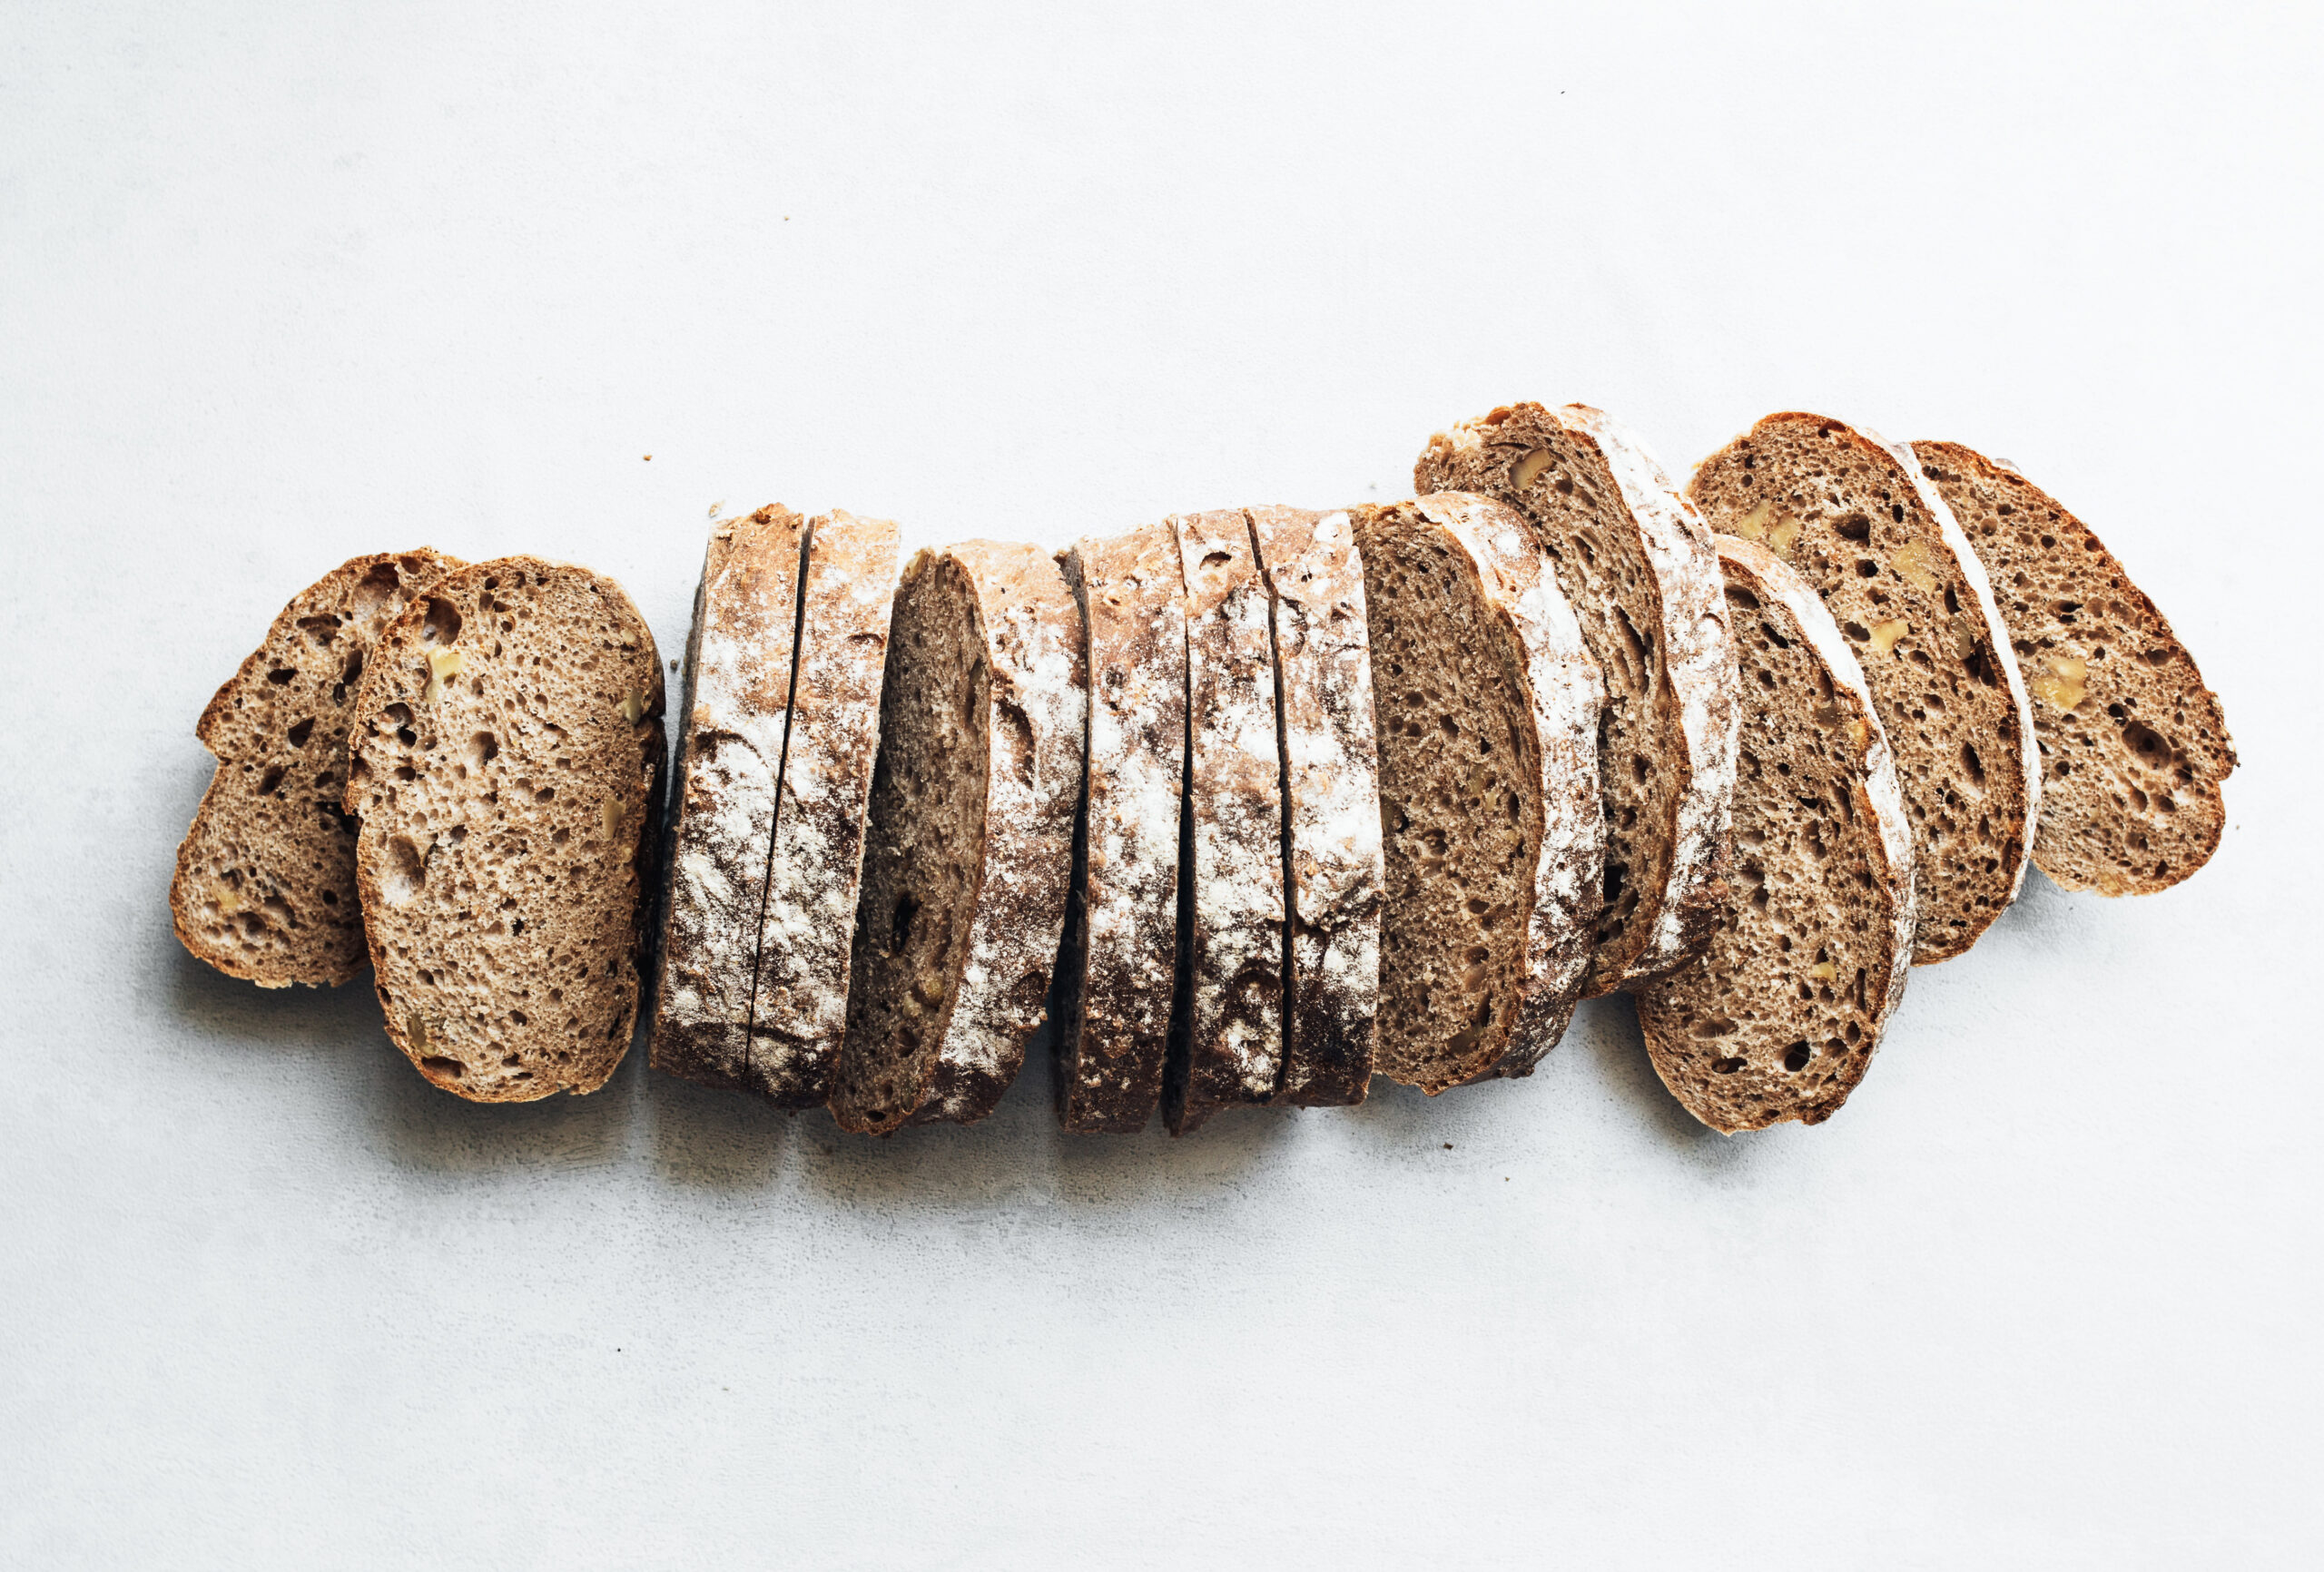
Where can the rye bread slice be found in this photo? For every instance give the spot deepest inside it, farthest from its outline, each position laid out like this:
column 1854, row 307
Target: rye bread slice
column 799, row 1003
column 1118, row 966
column 1779, row 1019
column 1637, row 565
column 735, row 713
column 2133, row 745
column 1229, row 1050
column 265, row 883
column 1854, row 515
column 968, row 848
column 508, row 770
column 1486, row 774
column 1331, row 802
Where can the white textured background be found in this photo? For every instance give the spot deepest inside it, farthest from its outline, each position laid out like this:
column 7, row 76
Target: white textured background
column 281, row 283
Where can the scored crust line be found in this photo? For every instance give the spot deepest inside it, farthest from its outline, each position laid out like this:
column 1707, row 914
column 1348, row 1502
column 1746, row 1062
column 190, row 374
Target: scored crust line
column 781, row 768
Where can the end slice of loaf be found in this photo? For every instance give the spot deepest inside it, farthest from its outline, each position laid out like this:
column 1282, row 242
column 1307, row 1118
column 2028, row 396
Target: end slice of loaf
column 1230, row 1051
column 1568, row 697
column 735, row 714
column 508, row 772
column 799, row 1004
column 1779, row 1019
column 1330, row 801
column 968, row 839
column 1117, row 969
column 265, row 883
column 2133, row 745
column 1854, row 517
column 1637, row 565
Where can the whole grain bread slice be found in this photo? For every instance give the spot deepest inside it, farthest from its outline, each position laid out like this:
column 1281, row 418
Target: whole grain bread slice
column 508, row 772
column 1779, row 1019
column 265, row 883
column 799, row 1003
column 1118, row 966
column 1229, row 1051
column 1331, row 802
column 1856, row 519
column 968, row 839
column 1482, row 770
column 735, row 714
column 1636, row 562
column 2133, row 745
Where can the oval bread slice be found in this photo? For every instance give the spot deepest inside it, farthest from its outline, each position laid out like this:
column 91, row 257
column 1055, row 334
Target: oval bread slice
column 508, row 772
column 1779, row 1019
column 265, row 883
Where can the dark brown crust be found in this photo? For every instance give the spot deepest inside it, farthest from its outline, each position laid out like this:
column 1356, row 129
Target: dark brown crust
column 799, row 1009
column 223, row 881
column 1119, row 961
column 2104, row 676
column 730, row 757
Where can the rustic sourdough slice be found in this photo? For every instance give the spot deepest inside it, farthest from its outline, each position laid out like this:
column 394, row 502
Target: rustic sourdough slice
column 508, row 772
column 1470, row 797
column 1854, row 515
column 799, row 1004
column 969, row 840
column 1117, row 969
column 1229, row 1050
column 265, row 882
column 1331, row 803
column 1636, row 563
column 1779, row 1019
column 735, row 711
column 2133, row 745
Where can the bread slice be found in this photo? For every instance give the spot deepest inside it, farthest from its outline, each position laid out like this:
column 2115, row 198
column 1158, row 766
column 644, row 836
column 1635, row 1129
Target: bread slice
column 2133, row 745
column 735, row 713
column 265, row 882
column 969, row 842
column 1637, row 565
column 1487, row 703
column 1854, row 515
column 508, row 772
column 1779, row 1019
column 1331, row 802
column 1117, row 969
column 1230, row 1050
column 799, row 1003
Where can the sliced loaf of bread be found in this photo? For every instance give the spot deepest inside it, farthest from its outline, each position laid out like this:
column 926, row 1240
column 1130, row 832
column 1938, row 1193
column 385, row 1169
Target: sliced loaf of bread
column 1856, row 519
column 1779, row 1019
column 1637, row 565
column 735, row 711
column 1117, row 969
column 1470, row 796
column 265, row 882
column 508, row 772
column 799, row 1002
column 2133, row 745
column 1331, row 801
column 1229, row 1049
column 968, row 846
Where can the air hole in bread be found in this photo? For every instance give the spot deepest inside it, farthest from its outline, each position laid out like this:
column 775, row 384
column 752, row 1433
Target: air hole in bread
column 436, row 1065
column 440, row 624
column 271, row 779
column 405, row 872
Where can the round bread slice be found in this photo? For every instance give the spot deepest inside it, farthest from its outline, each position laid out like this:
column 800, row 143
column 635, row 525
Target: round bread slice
column 508, row 772
column 1853, row 515
column 1117, row 969
column 969, row 840
column 1637, row 563
column 1779, row 1019
column 2133, row 745
column 1229, row 1051
column 1487, row 702
column 265, row 883
column 1330, row 801
column 799, row 1003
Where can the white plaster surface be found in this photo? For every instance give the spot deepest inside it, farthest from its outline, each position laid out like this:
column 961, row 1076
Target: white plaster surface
column 280, row 284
